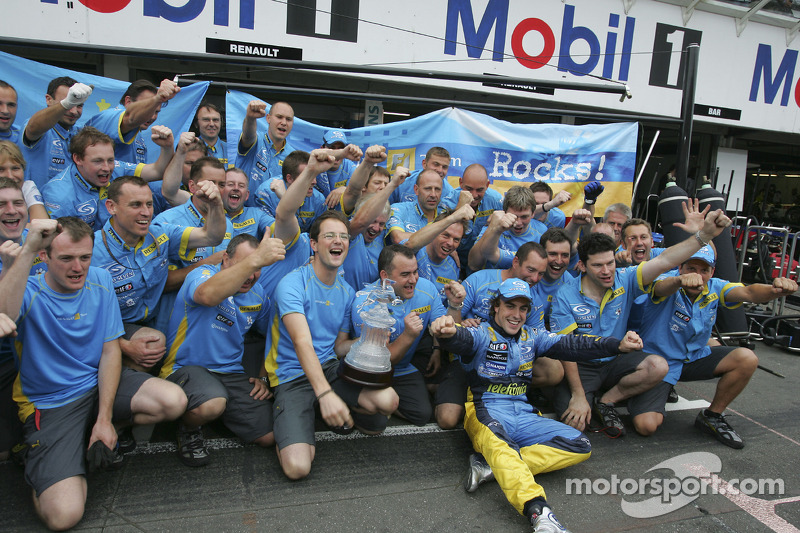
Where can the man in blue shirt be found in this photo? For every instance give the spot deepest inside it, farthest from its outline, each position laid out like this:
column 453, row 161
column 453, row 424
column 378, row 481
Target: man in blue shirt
column 333, row 182
column 70, row 377
column 308, row 328
column 208, row 126
column 244, row 219
column 409, row 217
column 558, row 247
column 81, row 189
column 262, row 157
column 216, row 306
column 547, row 211
column 436, row 159
column 677, row 325
column 47, row 134
column 637, row 243
column 599, row 302
column 8, row 113
column 137, row 110
column 507, row 231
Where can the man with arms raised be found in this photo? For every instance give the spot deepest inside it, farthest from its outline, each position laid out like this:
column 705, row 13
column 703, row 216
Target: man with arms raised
column 68, row 319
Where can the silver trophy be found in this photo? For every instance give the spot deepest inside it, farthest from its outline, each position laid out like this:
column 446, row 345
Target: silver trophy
column 368, row 363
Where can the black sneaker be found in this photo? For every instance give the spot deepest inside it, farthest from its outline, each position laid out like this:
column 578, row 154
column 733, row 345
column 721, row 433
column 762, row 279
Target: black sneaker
column 719, row 428
column 125, row 440
column 192, row 447
column 673, row 396
column 609, row 419
column 544, row 521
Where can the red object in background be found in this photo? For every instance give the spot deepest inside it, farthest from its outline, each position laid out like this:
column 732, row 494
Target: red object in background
column 788, row 266
column 105, row 6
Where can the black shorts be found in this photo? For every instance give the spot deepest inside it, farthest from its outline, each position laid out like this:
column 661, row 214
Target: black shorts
column 10, row 425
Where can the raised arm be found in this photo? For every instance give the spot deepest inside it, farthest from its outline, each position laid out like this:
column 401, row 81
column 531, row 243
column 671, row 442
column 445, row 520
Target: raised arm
column 46, row 118
column 425, row 235
column 162, row 137
column 373, row 207
column 139, row 112
column 582, row 220
column 486, row 249
column 762, row 293
column 213, row 232
column 256, row 109
column 560, row 198
column 171, row 182
column 358, row 180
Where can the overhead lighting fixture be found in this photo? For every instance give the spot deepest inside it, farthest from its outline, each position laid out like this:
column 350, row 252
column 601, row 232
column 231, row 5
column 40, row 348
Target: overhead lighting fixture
column 397, row 114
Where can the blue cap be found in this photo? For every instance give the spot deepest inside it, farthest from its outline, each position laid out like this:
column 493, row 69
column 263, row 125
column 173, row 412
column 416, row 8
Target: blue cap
column 706, row 254
column 514, row 288
column 332, row 136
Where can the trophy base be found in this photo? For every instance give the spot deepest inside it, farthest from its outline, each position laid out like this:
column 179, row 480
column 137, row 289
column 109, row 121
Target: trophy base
column 373, row 380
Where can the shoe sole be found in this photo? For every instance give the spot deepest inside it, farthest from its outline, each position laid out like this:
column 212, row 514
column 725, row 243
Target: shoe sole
column 194, row 462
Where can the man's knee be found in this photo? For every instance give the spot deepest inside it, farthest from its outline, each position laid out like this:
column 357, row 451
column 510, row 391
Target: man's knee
column 646, row 424
column 160, row 399
column 655, row 367
column 547, row 372
column 211, row 409
column 449, row 415
column 380, row 401
column 296, row 460
column 61, row 506
column 266, row 441
column 743, row 360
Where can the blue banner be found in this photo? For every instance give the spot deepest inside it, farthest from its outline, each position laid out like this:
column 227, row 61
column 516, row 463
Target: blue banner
column 31, row 78
column 566, row 157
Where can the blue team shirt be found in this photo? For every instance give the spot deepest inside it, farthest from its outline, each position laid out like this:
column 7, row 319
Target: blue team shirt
column 574, row 311
column 128, row 147
column 555, row 218
column 69, row 194
column 408, row 217
column 405, row 192
column 509, row 242
column 49, row 156
column 481, row 288
column 333, row 179
column 261, row 161
column 138, row 274
column 60, row 340
column 440, row 274
column 678, row 328
column 220, row 151
column 490, row 202
column 361, row 264
column 211, row 337
column 425, row 301
column 327, row 310
column 250, row 220
column 13, row 134
column 313, row 206
column 297, row 253
column 187, row 216
column 545, row 291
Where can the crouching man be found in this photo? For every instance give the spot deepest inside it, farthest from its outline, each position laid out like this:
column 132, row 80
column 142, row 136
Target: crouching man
column 516, row 441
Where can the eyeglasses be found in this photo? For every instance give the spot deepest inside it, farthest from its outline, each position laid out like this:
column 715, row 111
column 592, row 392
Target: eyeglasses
column 331, row 235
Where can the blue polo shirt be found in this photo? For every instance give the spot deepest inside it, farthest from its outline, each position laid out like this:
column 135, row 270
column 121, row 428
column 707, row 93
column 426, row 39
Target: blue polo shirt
column 297, row 254
column 425, row 301
column 220, row 151
column 49, row 156
column 69, row 194
column 60, row 340
column 509, row 242
column 187, row 216
column 491, row 202
column 439, row 274
column 250, row 220
column 327, row 311
column 408, row 217
column 405, row 192
column 574, row 311
column 128, row 147
column 361, row 264
column 261, row 161
column 211, row 337
column 313, row 206
column 545, row 292
column 13, row 134
column 138, row 274
column 555, row 218
column 678, row 327
column 333, row 179
column 481, row 288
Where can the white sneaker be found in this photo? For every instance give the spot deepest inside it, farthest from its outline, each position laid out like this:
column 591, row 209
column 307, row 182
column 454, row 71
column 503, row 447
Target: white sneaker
column 478, row 474
column 546, row 522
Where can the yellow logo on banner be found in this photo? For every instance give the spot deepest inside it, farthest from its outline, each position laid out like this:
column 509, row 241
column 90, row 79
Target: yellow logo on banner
column 401, row 158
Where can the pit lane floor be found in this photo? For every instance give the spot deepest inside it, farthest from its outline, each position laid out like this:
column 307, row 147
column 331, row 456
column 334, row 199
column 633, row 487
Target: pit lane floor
column 410, row 479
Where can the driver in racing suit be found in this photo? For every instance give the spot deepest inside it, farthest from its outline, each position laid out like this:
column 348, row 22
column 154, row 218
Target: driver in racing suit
column 516, row 441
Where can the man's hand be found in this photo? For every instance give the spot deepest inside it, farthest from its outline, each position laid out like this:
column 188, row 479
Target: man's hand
column 320, row 160
column 693, row 217
column 270, row 250
column 443, row 327
column 400, row 175
column 714, row 223
column 161, row 136
column 592, row 191
column 103, row 431
column 464, row 199
column 375, row 154
column 560, row 198
column 334, row 411
column 144, row 350
column 208, row 192
column 77, row 95
column 578, row 413
column 9, row 250
column 784, row 286
column 500, row 221
column 278, row 186
column 582, row 217
column 692, row 280
column 167, row 90
column 41, row 232
column 261, row 390
column 465, row 212
column 623, row 257
column 413, row 325
column 256, row 109
column 470, row 322
column 8, row 328
column 455, row 293
column 186, row 138
column 351, row 152
column 434, row 363
column 631, row 342
column 334, row 197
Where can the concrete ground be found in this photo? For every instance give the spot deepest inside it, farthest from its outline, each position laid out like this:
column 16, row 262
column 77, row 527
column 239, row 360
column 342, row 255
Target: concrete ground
column 410, row 479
